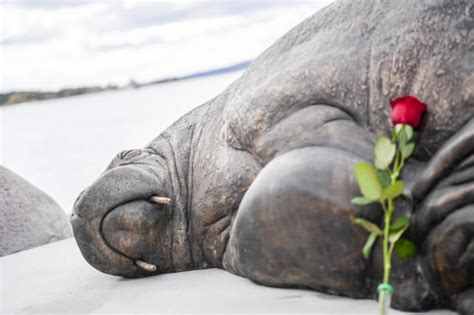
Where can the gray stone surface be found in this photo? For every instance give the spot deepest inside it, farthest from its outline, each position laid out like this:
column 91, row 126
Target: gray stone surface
column 28, row 217
column 67, row 285
column 261, row 177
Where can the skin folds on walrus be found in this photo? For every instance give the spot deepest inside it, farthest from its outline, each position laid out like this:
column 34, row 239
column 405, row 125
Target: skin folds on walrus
column 258, row 180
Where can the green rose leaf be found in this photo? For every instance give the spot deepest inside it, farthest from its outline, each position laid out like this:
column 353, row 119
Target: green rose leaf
column 369, row 226
column 369, row 183
column 384, row 152
column 369, row 244
column 394, row 190
column 402, row 222
column 407, row 150
column 361, row 201
column 405, row 249
column 395, row 236
column 384, row 177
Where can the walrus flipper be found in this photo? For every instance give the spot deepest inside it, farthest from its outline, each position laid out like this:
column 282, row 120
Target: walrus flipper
column 288, row 222
column 444, row 219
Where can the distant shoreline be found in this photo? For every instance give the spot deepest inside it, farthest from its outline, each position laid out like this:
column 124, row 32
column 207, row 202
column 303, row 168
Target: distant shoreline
column 17, row 97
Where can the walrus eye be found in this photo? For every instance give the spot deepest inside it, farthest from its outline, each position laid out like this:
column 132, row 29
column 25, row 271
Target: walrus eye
column 126, row 157
column 160, row 200
column 145, row 266
column 129, row 154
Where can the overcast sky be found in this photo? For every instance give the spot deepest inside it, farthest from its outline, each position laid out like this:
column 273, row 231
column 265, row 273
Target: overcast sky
column 52, row 44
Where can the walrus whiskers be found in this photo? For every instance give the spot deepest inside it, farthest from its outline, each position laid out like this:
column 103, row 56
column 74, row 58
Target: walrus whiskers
column 160, row 200
column 144, row 265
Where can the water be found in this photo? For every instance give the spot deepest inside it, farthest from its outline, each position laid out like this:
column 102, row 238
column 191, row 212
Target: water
column 62, row 145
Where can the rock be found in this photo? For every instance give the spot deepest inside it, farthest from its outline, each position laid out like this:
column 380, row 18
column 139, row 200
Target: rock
column 28, row 217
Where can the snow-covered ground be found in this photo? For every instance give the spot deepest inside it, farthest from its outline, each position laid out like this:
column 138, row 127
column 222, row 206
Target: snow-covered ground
column 62, row 145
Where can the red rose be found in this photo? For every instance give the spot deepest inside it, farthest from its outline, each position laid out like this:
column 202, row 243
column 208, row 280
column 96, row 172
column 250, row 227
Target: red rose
column 407, row 110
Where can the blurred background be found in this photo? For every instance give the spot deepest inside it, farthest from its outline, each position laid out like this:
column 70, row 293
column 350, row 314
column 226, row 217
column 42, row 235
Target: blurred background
column 82, row 80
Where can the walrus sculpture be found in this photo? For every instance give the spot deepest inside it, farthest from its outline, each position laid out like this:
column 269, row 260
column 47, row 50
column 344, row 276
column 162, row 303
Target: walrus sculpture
column 259, row 180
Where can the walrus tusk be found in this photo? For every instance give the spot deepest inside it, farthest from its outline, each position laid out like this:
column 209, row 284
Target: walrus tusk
column 160, row 200
column 144, row 265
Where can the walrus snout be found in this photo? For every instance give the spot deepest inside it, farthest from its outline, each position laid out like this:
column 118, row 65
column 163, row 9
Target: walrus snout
column 110, row 217
column 138, row 230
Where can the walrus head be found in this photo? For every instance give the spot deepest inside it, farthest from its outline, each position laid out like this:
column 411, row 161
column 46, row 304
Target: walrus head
column 122, row 221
